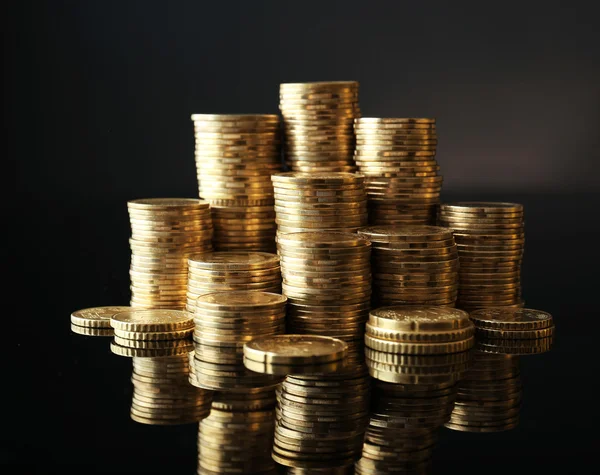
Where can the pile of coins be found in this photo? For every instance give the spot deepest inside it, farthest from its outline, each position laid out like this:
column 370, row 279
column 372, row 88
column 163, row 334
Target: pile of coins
column 223, row 271
column 488, row 395
column 164, row 232
column 319, row 201
column 237, row 436
column 95, row 321
column 490, row 239
column 148, row 333
column 321, row 417
column 318, row 121
column 162, row 394
column 513, row 331
column 413, row 265
column 235, row 157
column 398, row 158
column 224, row 321
column 327, row 280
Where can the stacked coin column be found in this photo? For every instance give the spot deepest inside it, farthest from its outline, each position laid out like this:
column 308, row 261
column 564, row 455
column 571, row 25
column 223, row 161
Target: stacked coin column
column 398, row 158
column 491, row 240
column 416, row 355
column 223, row 271
column 237, row 436
column 235, row 157
column 326, row 277
column 319, row 202
column 164, row 233
column 159, row 342
column 413, row 265
column 318, row 122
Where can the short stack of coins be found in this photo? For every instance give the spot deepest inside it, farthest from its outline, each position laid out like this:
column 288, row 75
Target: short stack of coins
column 224, row 321
column 319, row 202
column 413, row 265
column 235, row 157
column 164, row 232
column 327, row 280
column 95, row 321
column 321, row 416
column 488, row 395
column 318, row 122
column 416, row 354
column 490, row 238
column 234, row 270
column 397, row 155
column 237, row 436
column 158, row 341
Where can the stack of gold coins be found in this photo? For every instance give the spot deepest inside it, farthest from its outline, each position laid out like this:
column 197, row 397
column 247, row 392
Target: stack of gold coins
column 223, row 271
column 488, row 395
column 513, row 331
column 398, row 158
column 148, row 333
column 413, row 265
column 235, row 157
column 237, row 436
column 321, row 417
column 490, row 239
column 95, row 321
column 319, row 202
column 162, row 394
column 164, row 232
column 327, row 280
column 403, row 427
column 318, row 121
column 224, row 321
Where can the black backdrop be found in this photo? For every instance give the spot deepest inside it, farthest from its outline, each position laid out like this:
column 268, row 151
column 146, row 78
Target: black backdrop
column 97, row 104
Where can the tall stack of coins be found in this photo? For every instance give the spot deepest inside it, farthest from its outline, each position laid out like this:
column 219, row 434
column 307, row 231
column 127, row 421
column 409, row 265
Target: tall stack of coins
column 224, row 321
column 413, row 265
column 513, row 331
column 488, row 395
column 162, row 394
column 95, row 321
column 319, row 201
column 318, row 122
column 151, row 333
column 398, row 158
column 164, row 232
column 321, row 418
column 490, row 239
column 223, row 271
column 237, row 436
column 327, row 280
column 235, row 157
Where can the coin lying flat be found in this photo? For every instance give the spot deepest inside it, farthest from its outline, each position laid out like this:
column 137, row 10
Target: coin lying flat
column 96, row 317
column 295, row 349
column 511, row 319
column 152, row 320
column 425, row 319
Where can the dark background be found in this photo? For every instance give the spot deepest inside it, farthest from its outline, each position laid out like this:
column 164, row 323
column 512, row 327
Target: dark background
column 97, row 105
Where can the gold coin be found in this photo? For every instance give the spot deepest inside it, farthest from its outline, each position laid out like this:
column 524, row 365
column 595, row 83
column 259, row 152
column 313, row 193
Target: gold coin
column 167, row 204
column 295, row 349
column 154, row 336
column 418, row 348
column 240, row 300
column 96, row 317
column 512, row 319
column 152, row 320
column 92, row 331
column 426, row 319
column 420, row 336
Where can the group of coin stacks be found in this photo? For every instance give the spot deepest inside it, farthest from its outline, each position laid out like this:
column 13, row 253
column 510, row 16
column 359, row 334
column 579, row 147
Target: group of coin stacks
column 237, row 436
column 234, row 270
column 318, row 122
column 235, row 157
column 319, row 201
column 327, row 281
column 413, row 265
column 224, row 321
column 490, row 239
column 95, row 321
column 158, row 341
column 397, row 155
column 164, row 233
column 416, row 355
column 322, row 409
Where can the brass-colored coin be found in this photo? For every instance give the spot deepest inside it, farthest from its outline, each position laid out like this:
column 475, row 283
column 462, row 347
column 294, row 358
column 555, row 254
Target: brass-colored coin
column 420, row 336
column 152, row 320
column 295, row 349
column 239, row 300
column 418, row 348
column 516, row 334
column 96, row 317
column 481, row 207
column 149, row 353
column 168, row 204
column 92, row 331
column 154, row 336
column 152, row 344
column 426, row 319
column 405, row 233
column 511, row 319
